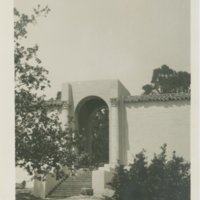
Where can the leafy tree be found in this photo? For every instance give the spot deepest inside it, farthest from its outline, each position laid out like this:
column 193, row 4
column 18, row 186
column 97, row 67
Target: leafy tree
column 167, row 80
column 119, row 183
column 177, row 179
column 100, row 132
column 162, row 179
column 156, row 176
column 138, row 177
column 41, row 145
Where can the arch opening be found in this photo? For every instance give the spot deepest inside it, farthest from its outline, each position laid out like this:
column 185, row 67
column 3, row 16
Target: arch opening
column 92, row 119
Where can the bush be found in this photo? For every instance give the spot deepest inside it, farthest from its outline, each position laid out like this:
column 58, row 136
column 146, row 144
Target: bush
column 87, row 191
column 162, row 179
column 85, row 160
column 26, row 196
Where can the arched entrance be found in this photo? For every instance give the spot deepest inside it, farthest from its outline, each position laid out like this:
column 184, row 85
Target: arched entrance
column 93, row 129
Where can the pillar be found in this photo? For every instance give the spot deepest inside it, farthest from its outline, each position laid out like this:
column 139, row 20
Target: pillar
column 114, row 132
column 65, row 115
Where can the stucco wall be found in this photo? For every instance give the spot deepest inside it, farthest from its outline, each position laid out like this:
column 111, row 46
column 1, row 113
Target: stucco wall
column 149, row 125
column 141, row 125
column 79, row 90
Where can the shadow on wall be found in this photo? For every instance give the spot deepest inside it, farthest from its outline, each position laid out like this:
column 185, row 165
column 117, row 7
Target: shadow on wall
column 125, row 145
column 166, row 104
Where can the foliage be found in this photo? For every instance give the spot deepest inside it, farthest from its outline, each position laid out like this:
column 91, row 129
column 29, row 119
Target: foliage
column 41, row 145
column 100, row 132
column 161, row 179
column 26, row 196
column 96, row 152
column 119, row 183
column 166, row 80
column 85, row 160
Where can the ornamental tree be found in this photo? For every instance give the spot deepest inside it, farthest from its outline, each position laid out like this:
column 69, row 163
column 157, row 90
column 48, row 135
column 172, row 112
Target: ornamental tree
column 42, row 146
column 167, row 80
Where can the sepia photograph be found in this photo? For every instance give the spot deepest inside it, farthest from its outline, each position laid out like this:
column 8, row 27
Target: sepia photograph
column 102, row 99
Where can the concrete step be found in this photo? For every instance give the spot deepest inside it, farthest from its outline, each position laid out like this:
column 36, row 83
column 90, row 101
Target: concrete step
column 72, row 185
column 72, row 188
column 75, row 183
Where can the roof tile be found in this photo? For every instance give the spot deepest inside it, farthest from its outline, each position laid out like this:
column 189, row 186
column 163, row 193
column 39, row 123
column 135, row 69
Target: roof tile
column 158, row 97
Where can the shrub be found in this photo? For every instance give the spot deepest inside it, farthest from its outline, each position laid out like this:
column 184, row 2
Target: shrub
column 162, row 179
column 119, row 182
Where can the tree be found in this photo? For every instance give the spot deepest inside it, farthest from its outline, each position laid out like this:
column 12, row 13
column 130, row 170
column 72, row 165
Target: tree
column 157, row 174
column 161, row 179
column 167, row 80
column 177, row 178
column 41, row 144
column 98, row 131
column 138, row 177
column 120, row 184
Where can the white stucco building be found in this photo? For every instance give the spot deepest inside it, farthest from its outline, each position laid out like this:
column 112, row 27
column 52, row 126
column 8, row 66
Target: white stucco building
column 135, row 123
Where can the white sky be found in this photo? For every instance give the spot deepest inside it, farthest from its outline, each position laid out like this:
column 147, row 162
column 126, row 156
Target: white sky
column 110, row 39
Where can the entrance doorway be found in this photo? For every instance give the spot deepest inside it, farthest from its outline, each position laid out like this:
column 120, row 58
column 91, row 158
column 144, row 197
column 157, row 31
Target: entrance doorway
column 93, row 129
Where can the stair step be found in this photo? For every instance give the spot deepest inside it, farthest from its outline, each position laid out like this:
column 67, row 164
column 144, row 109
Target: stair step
column 75, row 182
column 72, row 188
column 69, row 190
column 71, row 181
column 75, row 186
column 61, row 196
column 78, row 179
column 72, row 185
column 66, row 193
column 68, row 184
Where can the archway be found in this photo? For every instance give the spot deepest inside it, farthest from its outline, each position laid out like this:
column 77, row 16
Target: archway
column 93, row 128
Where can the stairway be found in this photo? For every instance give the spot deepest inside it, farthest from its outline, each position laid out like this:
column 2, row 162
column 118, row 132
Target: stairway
column 72, row 185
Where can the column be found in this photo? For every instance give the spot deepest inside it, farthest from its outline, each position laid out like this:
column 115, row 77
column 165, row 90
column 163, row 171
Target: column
column 65, row 115
column 114, row 132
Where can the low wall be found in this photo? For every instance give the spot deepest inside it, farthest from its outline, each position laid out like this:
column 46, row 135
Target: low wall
column 151, row 124
column 51, row 182
column 100, row 180
column 42, row 188
column 39, row 188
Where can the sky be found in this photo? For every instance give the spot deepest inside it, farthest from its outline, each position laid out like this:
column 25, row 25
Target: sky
column 110, row 39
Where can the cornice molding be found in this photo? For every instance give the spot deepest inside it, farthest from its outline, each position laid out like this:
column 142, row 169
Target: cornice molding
column 114, row 102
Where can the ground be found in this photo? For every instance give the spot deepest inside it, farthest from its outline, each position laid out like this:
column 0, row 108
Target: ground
column 83, row 198
column 25, row 194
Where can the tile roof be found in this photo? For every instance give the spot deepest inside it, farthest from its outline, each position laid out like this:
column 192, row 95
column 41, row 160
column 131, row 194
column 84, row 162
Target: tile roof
column 138, row 98
column 158, row 97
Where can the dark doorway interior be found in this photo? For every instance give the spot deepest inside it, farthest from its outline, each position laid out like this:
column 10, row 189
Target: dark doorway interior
column 93, row 127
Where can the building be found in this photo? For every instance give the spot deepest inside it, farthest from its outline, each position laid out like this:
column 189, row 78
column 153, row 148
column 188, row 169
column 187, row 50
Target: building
column 135, row 123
